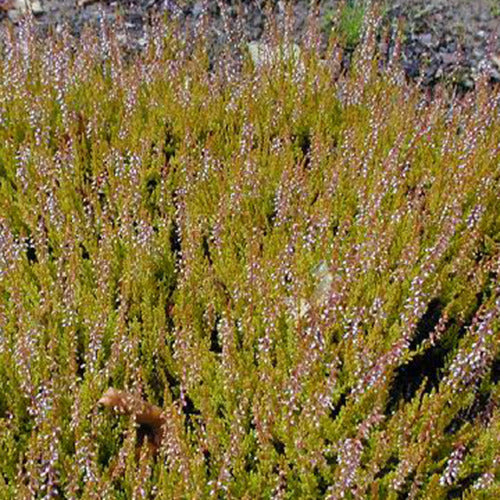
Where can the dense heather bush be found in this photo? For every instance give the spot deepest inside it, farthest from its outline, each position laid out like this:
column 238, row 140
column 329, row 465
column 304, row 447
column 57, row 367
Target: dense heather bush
column 300, row 266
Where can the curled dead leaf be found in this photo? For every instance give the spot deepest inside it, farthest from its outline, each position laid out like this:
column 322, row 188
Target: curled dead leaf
column 149, row 417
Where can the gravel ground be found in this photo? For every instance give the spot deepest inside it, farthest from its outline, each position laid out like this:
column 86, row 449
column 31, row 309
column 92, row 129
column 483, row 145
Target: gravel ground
column 443, row 39
column 451, row 37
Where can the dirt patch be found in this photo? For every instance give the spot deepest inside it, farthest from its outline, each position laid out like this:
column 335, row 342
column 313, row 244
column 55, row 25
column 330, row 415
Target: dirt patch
column 456, row 38
column 442, row 39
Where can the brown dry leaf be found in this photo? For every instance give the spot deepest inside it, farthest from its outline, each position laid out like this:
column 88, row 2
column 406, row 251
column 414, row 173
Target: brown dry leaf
column 149, row 417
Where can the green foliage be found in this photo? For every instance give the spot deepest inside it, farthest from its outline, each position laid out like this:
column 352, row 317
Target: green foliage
column 299, row 265
column 346, row 21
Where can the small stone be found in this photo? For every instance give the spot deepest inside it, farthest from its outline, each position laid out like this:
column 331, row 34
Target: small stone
column 20, row 5
column 36, row 8
column 16, row 8
column 324, row 280
column 449, row 58
column 425, row 39
column 14, row 15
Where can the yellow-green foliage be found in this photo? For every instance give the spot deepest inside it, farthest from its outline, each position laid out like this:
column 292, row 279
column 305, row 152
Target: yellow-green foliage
column 301, row 266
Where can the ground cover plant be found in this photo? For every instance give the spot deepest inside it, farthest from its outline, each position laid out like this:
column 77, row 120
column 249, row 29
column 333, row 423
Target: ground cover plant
column 299, row 265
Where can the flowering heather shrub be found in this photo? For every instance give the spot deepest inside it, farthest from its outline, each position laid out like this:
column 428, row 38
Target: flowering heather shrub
column 298, row 265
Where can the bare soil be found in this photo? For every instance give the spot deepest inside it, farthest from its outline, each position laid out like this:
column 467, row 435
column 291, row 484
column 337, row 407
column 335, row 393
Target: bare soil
column 443, row 39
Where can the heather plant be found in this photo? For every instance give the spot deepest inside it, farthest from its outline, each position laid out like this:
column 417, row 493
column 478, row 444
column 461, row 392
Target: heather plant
column 299, row 264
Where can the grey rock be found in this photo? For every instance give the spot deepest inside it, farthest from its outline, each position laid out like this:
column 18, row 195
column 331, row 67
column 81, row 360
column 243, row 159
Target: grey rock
column 425, row 39
column 449, row 58
column 262, row 53
column 20, row 7
column 324, row 280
